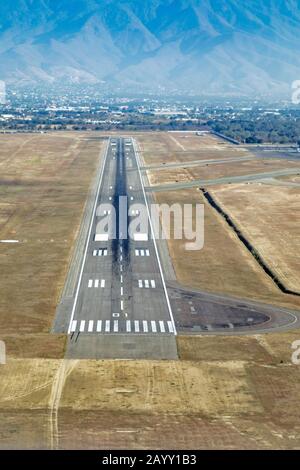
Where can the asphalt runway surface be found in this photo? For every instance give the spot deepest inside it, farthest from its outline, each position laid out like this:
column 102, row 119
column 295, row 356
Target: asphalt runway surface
column 116, row 302
column 120, row 288
column 197, row 312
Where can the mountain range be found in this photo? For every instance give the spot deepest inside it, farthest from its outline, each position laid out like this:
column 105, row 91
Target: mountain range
column 204, row 46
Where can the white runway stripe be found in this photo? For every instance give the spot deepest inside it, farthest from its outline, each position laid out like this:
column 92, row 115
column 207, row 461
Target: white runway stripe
column 90, row 283
column 96, row 283
column 142, row 252
column 147, row 284
column 95, row 253
column 103, row 283
column 117, row 326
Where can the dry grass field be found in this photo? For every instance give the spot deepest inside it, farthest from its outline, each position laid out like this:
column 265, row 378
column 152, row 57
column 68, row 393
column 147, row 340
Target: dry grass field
column 45, row 179
column 166, row 147
column 225, row 392
column 271, row 223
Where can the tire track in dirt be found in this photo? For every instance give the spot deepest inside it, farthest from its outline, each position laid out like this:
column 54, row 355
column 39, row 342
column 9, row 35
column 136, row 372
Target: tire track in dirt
column 65, row 369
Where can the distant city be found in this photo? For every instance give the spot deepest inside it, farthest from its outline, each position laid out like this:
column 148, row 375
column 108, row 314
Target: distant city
column 44, row 109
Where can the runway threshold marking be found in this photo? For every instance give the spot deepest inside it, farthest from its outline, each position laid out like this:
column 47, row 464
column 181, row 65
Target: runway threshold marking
column 118, row 326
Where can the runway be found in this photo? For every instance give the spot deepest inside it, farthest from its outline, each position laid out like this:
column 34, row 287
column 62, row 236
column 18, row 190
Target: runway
column 116, row 302
column 120, row 288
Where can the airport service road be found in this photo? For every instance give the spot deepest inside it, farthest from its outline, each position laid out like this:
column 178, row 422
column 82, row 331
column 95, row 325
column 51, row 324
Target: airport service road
column 120, row 288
